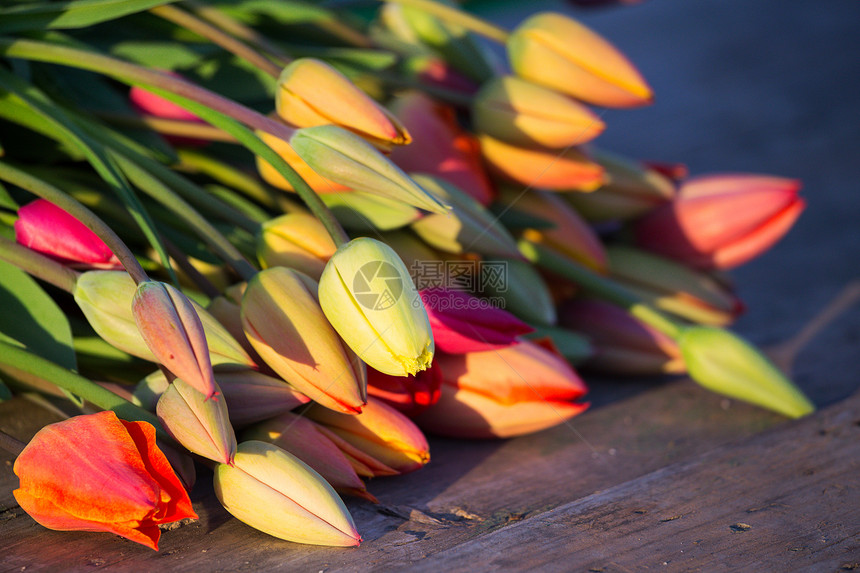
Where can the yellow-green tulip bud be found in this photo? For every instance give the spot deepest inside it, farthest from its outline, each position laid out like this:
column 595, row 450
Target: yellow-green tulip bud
column 284, row 323
column 363, row 211
column 369, row 298
column 345, row 158
column 523, row 113
column 558, row 52
column 295, row 240
column 726, row 364
column 311, row 92
column 469, row 227
column 275, row 492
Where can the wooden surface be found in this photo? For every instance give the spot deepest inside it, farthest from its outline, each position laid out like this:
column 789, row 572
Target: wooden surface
column 658, row 475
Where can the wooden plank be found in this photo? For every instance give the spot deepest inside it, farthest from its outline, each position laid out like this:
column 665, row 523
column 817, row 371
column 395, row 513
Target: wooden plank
column 786, row 500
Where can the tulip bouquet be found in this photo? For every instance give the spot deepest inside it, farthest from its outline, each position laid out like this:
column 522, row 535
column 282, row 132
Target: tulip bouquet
column 279, row 240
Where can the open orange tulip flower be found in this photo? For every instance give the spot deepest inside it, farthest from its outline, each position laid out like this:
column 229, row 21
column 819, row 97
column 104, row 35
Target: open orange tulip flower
column 100, row 473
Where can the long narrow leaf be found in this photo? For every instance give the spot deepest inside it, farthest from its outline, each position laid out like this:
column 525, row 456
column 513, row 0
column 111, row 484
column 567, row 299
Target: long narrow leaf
column 70, row 15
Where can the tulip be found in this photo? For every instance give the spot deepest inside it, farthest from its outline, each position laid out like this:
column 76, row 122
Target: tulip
column 275, row 492
column 100, row 473
column 630, row 190
column 558, row 52
column 270, row 175
column 672, row 287
column 503, row 393
column 201, row 425
column 571, row 235
column 521, row 289
column 722, row 221
column 463, row 323
column 622, row 344
column 522, row 113
column 47, row 229
column 380, row 431
column 311, row 92
column 169, row 325
column 369, row 298
column 284, row 323
column 148, row 103
column 726, row 364
column 417, row 256
column 105, row 297
column 369, row 212
column 295, row 240
column 441, row 148
column 566, row 170
column 409, row 395
column 428, row 69
column 303, row 439
column 345, row 158
column 469, row 227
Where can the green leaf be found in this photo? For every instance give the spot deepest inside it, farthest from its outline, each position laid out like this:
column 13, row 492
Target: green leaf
column 69, row 15
column 5, row 393
column 31, row 318
column 6, row 200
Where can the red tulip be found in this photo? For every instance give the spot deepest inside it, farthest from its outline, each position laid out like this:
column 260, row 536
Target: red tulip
column 464, row 323
column 410, row 395
column 502, row 393
column 100, row 473
column 722, row 221
column 44, row 227
column 440, row 147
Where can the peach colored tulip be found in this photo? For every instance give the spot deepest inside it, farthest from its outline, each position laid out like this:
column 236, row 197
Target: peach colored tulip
column 409, row 395
column 295, row 240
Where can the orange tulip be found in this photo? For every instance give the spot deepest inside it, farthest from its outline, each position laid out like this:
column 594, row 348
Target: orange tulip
column 503, row 393
column 100, row 473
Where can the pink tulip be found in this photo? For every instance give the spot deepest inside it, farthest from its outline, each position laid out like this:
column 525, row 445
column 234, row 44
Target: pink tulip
column 147, row 103
column 410, row 395
column 502, row 393
column 622, row 344
column 722, row 221
column 440, row 147
column 464, row 323
column 44, row 227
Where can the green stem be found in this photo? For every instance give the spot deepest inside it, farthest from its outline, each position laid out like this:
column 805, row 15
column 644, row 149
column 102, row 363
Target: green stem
column 79, row 212
column 455, row 16
column 596, row 284
column 141, row 76
column 20, row 359
column 38, row 265
column 177, row 127
column 216, row 36
column 196, row 162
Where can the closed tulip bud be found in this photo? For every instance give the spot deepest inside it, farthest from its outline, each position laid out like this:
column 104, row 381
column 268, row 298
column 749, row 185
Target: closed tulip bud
column 409, row 395
column 276, row 493
column 630, row 190
column 381, row 431
column 622, row 344
column 369, row 298
column 558, row 52
column 47, row 229
column 311, row 92
column 148, row 103
column 464, row 323
column 105, row 297
column 566, row 170
column 523, row 290
column 441, row 148
column 522, row 113
column 284, row 323
column 201, row 425
column 673, row 287
column 469, row 227
column 429, row 69
column 728, row 365
column 502, row 393
column 571, row 235
column 361, row 211
column 173, row 332
column 295, row 240
column 574, row 346
column 345, row 158
column 100, row 473
column 722, row 221
column 270, row 175
column 303, row 439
